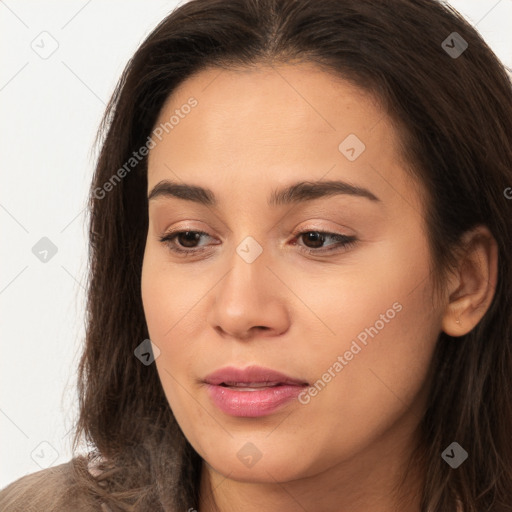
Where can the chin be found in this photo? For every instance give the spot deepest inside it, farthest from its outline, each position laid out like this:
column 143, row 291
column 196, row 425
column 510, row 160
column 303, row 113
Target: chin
column 268, row 469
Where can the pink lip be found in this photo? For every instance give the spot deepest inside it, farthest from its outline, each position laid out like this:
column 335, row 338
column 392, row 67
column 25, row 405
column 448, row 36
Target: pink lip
column 280, row 390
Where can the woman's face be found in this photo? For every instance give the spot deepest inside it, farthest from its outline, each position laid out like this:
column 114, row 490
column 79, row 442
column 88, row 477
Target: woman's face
column 356, row 322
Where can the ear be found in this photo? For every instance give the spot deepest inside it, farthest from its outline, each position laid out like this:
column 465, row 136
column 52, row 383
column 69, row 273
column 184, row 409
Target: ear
column 471, row 288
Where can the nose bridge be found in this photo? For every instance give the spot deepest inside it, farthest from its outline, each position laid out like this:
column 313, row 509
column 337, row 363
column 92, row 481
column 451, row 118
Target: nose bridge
column 252, row 245
column 248, row 267
column 245, row 298
column 250, row 250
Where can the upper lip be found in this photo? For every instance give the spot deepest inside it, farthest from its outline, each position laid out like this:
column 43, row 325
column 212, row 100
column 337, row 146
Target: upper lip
column 252, row 374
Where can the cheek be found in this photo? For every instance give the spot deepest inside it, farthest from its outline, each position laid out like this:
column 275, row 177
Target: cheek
column 171, row 302
column 375, row 365
column 168, row 296
column 384, row 378
column 163, row 301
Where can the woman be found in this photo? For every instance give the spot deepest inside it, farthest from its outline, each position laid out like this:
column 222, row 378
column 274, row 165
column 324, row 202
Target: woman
column 300, row 268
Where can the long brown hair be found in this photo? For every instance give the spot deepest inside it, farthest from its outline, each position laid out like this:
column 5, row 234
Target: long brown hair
column 454, row 116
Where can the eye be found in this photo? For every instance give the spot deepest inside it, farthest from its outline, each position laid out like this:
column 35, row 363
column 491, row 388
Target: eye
column 188, row 240
column 317, row 238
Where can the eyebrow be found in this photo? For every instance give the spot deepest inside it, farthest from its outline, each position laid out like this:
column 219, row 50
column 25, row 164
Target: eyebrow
column 295, row 193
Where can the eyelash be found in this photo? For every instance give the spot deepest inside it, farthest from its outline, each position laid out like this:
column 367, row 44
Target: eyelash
column 345, row 242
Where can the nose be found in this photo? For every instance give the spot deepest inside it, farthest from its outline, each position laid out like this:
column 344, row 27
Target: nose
column 249, row 301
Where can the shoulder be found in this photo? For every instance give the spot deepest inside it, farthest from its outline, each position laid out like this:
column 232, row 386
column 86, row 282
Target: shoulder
column 48, row 490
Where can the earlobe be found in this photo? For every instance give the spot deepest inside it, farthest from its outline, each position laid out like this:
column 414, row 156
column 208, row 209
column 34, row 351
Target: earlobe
column 475, row 284
column 455, row 320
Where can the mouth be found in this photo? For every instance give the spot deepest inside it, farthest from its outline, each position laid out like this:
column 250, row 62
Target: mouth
column 253, row 391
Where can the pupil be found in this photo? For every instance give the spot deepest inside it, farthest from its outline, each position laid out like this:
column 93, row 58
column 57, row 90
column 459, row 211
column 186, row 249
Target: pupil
column 188, row 234
column 314, row 236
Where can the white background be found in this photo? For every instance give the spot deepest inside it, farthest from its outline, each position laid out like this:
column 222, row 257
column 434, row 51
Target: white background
column 50, row 111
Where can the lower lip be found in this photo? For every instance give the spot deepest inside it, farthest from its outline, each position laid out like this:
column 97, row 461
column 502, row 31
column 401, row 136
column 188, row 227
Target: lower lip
column 252, row 403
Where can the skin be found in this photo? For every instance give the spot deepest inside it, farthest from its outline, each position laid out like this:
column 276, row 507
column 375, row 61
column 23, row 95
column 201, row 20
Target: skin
column 253, row 131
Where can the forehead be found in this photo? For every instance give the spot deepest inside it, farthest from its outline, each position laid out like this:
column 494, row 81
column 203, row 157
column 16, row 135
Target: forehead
column 253, row 128
column 269, row 105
